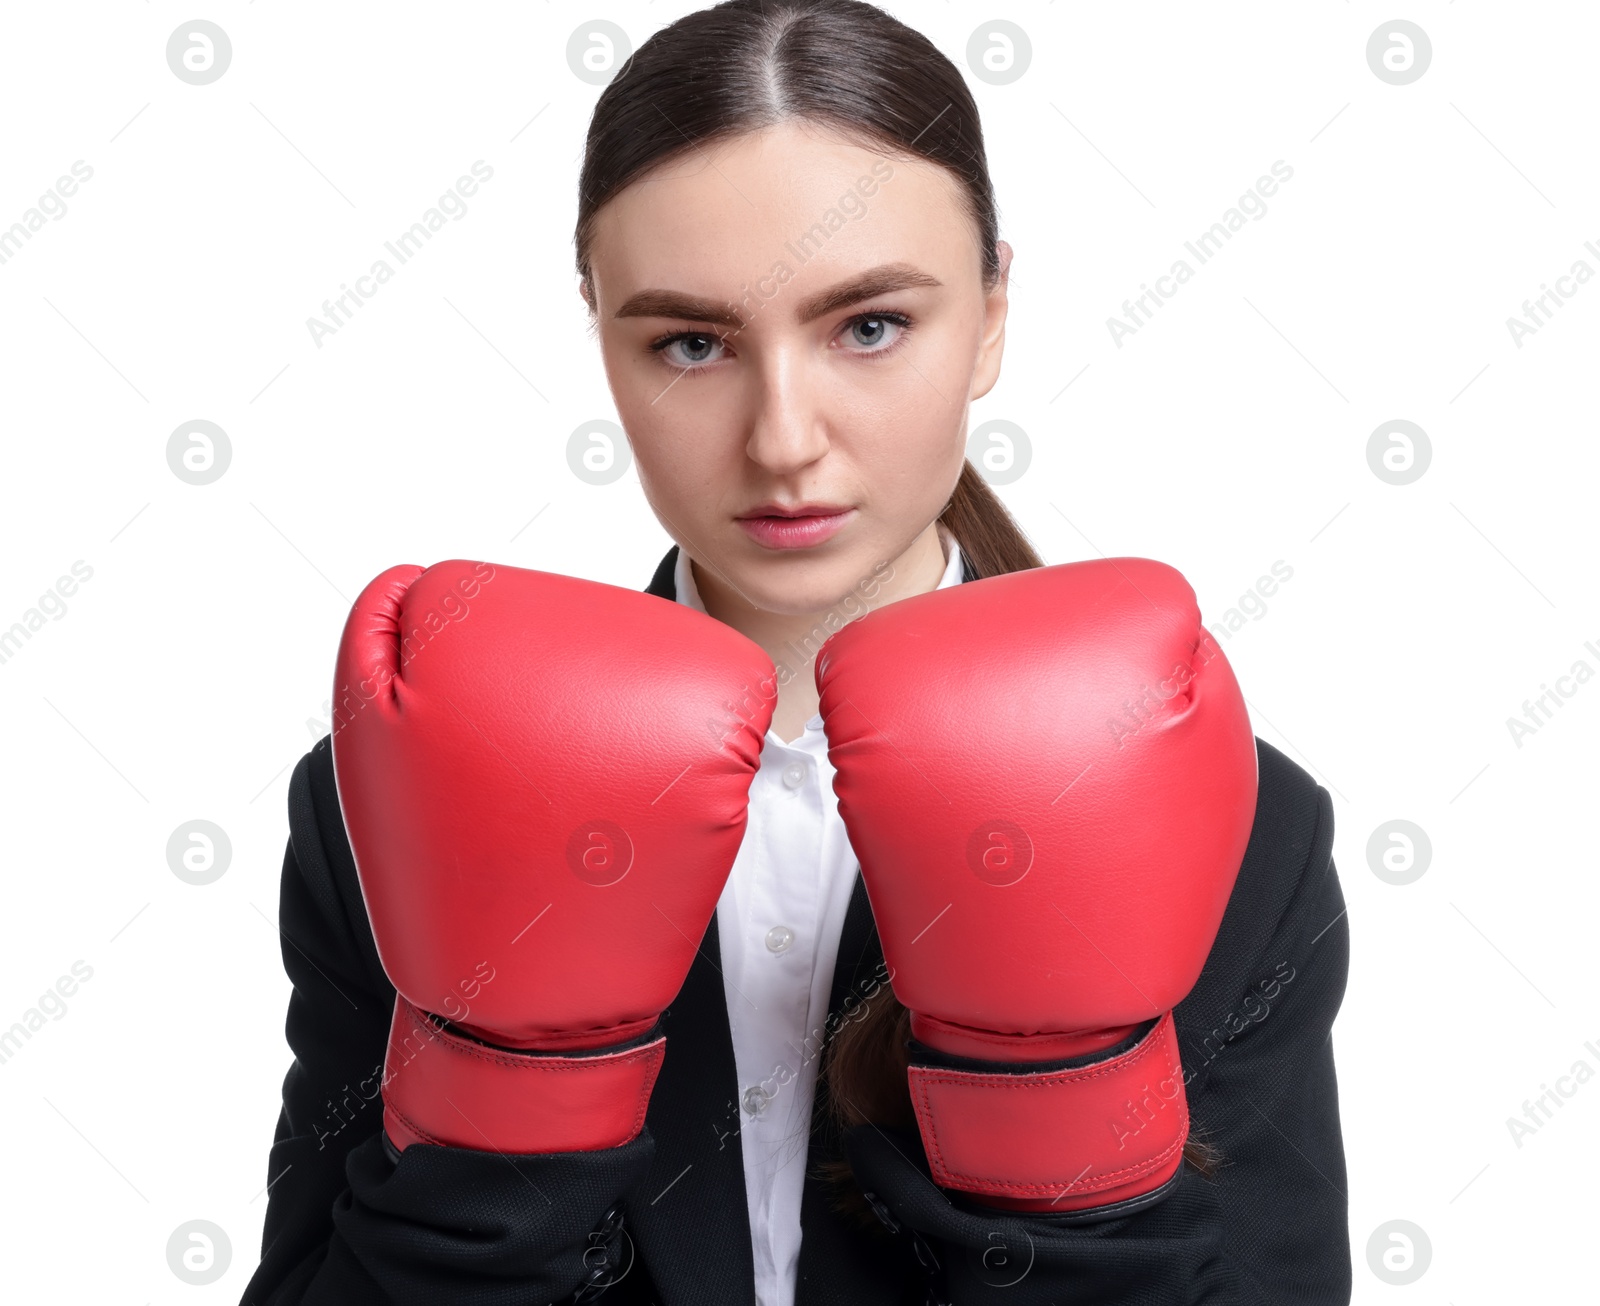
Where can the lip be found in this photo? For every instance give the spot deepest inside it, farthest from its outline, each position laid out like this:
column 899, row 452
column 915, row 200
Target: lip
column 801, row 526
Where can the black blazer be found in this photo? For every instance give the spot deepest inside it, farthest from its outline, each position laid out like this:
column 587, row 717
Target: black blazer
column 663, row 1219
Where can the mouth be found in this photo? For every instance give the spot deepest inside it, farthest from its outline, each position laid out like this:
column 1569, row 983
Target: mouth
column 799, row 526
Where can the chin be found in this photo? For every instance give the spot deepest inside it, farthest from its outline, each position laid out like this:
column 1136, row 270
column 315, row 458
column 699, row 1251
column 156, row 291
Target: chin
column 803, row 582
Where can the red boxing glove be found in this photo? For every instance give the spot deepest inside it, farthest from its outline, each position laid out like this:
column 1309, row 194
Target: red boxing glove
column 1049, row 778
column 544, row 781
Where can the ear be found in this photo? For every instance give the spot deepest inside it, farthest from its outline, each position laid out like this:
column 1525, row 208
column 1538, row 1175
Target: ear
column 992, row 344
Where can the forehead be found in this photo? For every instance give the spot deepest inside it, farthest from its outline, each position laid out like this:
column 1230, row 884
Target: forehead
column 792, row 195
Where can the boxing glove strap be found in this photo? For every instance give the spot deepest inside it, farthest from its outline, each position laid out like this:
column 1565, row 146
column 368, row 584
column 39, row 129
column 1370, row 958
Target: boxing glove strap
column 1089, row 1134
column 443, row 1087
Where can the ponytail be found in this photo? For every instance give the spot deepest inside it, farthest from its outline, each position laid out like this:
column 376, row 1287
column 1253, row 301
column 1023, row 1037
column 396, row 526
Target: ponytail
column 988, row 534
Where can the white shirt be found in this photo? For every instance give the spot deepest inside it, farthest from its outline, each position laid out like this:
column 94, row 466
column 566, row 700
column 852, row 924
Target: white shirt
column 778, row 922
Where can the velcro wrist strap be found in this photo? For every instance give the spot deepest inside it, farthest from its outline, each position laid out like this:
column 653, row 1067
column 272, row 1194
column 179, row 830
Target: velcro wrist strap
column 441, row 1087
column 1064, row 1140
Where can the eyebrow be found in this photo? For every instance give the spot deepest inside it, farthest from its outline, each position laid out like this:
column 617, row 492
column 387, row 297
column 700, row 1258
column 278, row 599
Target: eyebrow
column 875, row 281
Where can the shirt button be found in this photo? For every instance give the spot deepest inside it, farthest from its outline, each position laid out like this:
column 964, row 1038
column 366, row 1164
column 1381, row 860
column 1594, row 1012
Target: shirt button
column 779, row 937
column 755, row 1100
column 794, row 775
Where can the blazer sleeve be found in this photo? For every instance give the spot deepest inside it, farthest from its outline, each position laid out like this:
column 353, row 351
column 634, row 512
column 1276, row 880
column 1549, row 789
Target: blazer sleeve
column 1271, row 1224
column 345, row 1224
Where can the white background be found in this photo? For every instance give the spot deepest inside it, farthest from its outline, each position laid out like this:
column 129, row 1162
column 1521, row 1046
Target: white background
column 190, row 672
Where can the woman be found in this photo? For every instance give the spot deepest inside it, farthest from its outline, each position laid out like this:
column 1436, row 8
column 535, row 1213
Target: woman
column 787, row 239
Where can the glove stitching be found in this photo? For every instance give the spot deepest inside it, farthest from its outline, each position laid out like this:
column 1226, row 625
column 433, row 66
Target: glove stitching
column 465, row 1047
column 556, row 1063
column 1109, row 1179
column 1129, row 1060
column 649, row 1056
column 924, row 1079
column 413, row 1126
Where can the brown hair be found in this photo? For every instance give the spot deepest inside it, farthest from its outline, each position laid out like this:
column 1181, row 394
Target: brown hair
column 737, row 68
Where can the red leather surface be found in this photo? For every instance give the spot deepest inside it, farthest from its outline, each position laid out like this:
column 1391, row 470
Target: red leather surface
column 544, row 780
column 1071, row 1139
column 441, row 1088
column 1049, row 778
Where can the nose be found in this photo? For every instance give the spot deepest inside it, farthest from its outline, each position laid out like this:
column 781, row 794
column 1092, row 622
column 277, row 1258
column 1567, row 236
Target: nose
column 787, row 430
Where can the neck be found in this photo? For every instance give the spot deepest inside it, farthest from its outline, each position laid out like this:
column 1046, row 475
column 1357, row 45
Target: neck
column 793, row 640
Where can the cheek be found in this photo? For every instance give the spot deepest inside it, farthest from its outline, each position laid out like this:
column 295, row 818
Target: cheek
column 625, row 372
column 684, row 465
column 909, row 464
column 924, row 396
column 639, row 403
column 663, row 465
column 657, row 407
column 913, row 430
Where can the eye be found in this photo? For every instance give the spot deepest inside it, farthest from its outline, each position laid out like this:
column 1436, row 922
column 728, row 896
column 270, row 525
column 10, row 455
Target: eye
column 875, row 333
column 687, row 350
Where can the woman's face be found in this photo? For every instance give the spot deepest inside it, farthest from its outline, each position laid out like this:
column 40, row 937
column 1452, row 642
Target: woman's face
column 790, row 319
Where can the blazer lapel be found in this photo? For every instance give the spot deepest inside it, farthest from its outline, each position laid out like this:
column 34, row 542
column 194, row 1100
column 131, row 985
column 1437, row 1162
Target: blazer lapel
column 661, row 583
column 689, row 1216
column 842, row 1263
